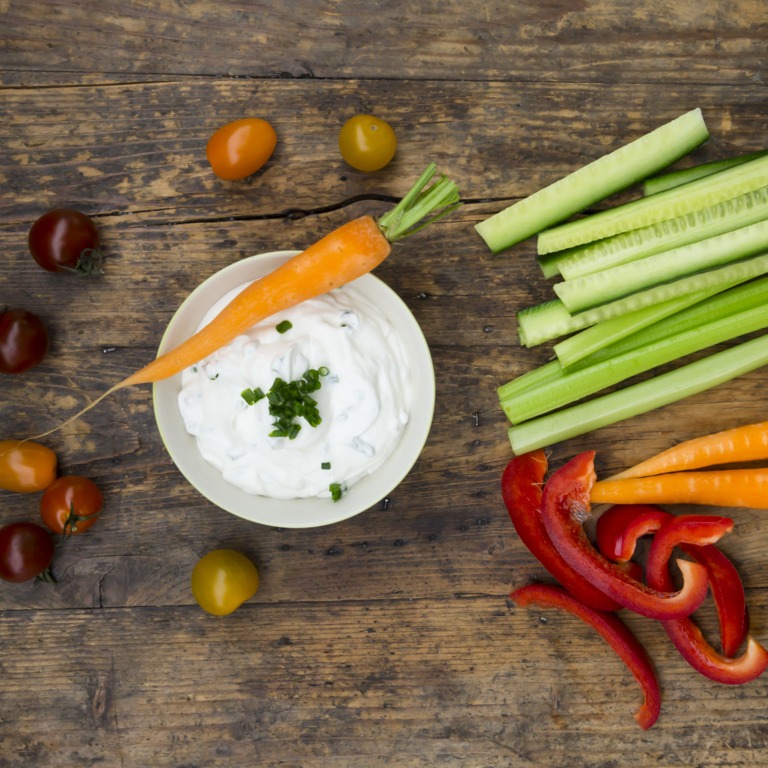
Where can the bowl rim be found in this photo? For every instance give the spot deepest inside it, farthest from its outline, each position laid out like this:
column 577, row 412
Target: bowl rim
column 314, row 512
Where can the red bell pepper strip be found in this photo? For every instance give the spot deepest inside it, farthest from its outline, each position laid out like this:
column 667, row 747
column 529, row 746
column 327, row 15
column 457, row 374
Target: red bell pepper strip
column 683, row 632
column 613, row 631
column 521, row 486
column 617, row 532
column 566, row 506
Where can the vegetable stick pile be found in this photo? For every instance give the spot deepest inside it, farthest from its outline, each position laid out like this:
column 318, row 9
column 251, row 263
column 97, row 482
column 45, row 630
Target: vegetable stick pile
column 644, row 284
column 598, row 578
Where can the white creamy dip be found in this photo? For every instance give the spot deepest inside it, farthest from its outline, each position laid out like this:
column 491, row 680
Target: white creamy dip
column 364, row 400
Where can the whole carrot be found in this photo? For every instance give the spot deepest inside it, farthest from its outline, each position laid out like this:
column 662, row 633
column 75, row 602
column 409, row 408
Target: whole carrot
column 745, row 443
column 345, row 254
column 722, row 488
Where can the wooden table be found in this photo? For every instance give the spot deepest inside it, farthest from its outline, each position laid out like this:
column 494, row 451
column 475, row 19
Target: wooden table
column 389, row 639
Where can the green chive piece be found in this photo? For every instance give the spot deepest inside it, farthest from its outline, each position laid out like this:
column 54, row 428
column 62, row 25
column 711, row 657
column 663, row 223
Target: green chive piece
column 335, row 489
column 325, row 465
column 286, row 325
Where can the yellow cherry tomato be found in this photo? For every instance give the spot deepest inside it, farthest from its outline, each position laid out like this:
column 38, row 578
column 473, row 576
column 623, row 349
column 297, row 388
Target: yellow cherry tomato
column 367, row 143
column 223, row 580
column 26, row 467
column 240, row 148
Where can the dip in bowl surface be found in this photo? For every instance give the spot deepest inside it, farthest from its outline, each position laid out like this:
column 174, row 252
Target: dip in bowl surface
column 375, row 401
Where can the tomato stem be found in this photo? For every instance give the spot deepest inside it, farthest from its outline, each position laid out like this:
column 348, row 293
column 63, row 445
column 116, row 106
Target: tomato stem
column 88, row 263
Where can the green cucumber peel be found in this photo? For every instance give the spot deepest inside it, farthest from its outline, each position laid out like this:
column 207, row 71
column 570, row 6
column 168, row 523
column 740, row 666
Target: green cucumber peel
column 587, row 381
column 670, row 204
column 675, row 178
column 610, row 284
column 666, row 235
column 594, row 181
column 551, row 319
column 636, row 399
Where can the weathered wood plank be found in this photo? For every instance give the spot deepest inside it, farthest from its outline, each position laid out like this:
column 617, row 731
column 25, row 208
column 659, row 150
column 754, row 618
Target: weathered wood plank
column 557, row 41
column 139, row 149
column 405, row 683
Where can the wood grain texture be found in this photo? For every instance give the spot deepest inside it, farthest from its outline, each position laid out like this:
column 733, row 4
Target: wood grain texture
column 387, row 639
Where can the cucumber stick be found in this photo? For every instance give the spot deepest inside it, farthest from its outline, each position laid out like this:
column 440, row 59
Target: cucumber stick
column 639, row 398
column 610, row 284
column 666, row 235
column 551, row 319
column 595, row 181
column 586, row 381
column 684, row 175
column 674, row 202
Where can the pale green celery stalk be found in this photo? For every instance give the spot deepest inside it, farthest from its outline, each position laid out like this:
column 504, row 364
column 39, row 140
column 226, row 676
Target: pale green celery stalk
column 650, row 325
column 664, row 236
column 659, row 207
column 682, row 176
column 587, row 381
column 617, row 282
column 604, row 336
column 639, row 398
column 737, row 299
column 595, row 181
column 547, row 321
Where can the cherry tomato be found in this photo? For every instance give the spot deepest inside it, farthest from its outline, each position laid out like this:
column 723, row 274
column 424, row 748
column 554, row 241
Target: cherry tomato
column 223, row 580
column 26, row 550
column 64, row 240
column 240, row 148
column 23, row 340
column 71, row 504
column 367, row 143
column 26, row 467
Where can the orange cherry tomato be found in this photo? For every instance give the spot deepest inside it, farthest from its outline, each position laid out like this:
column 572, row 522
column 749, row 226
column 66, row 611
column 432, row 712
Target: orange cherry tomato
column 223, row 580
column 367, row 143
column 240, row 148
column 71, row 504
column 26, row 467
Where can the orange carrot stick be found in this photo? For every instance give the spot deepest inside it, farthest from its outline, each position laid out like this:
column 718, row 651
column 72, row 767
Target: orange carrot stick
column 722, row 488
column 746, row 443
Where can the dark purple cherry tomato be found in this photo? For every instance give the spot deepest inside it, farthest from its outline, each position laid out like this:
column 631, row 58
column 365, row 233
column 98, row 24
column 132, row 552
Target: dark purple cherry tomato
column 26, row 551
column 23, row 340
column 64, row 240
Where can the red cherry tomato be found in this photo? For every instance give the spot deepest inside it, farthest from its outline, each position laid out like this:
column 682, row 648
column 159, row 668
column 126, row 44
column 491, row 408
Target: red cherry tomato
column 65, row 240
column 26, row 551
column 23, row 340
column 367, row 143
column 240, row 148
column 71, row 504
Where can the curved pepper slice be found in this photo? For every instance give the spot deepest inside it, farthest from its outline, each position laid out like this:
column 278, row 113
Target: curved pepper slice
column 613, row 631
column 683, row 632
column 617, row 532
column 565, row 507
column 521, row 486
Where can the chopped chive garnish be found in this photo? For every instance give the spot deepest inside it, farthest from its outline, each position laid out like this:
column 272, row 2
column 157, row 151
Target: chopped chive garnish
column 286, row 325
column 325, row 465
column 289, row 400
column 335, row 489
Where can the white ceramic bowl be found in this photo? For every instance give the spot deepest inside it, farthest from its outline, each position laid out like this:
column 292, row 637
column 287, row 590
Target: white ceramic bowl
column 293, row 513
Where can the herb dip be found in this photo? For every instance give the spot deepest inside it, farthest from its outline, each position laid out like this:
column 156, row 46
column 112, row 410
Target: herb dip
column 364, row 400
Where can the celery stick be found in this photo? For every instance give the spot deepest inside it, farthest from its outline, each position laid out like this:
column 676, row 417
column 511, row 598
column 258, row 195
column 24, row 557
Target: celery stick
column 683, row 176
column 659, row 207
column 586, row 381
column 728, row 302
column 549, row 320
column 605, row 335
column 639, row 398
column 595, row 181
column 616, row 282
column 664, row 236
column 536, row 377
